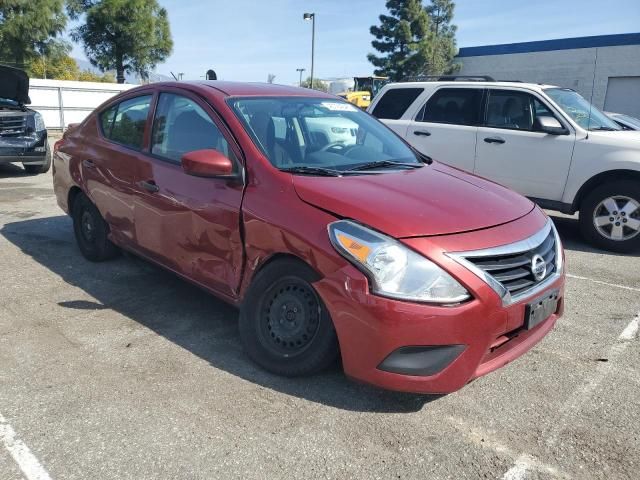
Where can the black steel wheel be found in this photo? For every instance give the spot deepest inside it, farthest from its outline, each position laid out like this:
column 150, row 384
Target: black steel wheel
column 91, row 231
column 284, row 325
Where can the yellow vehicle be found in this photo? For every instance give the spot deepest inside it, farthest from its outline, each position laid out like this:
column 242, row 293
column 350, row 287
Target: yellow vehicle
column 364, row 89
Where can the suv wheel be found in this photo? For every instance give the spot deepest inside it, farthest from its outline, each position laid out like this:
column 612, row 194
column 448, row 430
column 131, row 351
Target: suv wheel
column 42, row 168
column 284, row 325
column 610, row 216
column 91, row 231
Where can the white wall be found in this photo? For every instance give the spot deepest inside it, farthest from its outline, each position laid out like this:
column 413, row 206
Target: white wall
column 62, row 102
column 575, row 68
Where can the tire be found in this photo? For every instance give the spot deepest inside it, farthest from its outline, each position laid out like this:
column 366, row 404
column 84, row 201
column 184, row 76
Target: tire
column 38, row 169
column 284, row 326
column 91, row 231
column 610, row 216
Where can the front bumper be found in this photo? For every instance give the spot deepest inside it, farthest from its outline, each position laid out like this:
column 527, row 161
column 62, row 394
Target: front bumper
column 28, row 149
column 478, row 336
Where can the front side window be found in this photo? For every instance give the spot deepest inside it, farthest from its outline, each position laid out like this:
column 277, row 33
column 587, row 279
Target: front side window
column 514, row 110
column 318, row 133
column 457, row 106
column 181, row 126
column 580, row 110
column 124, row 123
column 395, row 102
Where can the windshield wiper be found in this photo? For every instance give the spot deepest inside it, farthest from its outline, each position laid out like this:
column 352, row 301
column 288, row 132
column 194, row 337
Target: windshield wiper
column 425, row 158
column 383, row 164
column 602, row 128
column 319, row 171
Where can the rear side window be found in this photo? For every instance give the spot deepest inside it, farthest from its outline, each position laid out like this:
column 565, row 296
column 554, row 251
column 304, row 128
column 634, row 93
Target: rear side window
column 124, row 123
column 458, row 106
column 395, row 102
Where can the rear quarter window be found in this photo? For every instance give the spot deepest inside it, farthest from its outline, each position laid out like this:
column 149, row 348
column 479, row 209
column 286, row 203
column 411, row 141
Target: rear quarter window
column 395, row 102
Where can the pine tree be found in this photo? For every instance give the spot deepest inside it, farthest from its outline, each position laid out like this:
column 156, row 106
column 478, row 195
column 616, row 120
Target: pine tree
column 27, row 28
column 404, row 38
column 444, row 37
column 122, row 35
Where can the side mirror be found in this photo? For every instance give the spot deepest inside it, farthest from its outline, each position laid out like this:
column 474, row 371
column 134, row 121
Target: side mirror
column 549, row 125
column 207, row 163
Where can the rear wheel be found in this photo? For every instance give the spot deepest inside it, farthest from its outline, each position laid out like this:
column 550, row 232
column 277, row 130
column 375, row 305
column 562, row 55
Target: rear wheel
column 284, row 325
column 91, row 231
column 610, row 216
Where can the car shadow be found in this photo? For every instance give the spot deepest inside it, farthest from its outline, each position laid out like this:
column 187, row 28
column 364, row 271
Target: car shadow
column 184, row 315
column 572, row 238
column 10, row 170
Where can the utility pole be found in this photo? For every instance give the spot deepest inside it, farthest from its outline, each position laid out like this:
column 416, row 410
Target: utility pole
column 312, row 17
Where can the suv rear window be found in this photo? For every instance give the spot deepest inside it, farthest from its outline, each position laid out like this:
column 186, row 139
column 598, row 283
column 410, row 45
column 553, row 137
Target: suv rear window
column 395, row 102
column 459, row 106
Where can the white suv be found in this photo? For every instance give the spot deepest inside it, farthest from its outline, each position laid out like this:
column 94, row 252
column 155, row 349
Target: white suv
column 545, row 142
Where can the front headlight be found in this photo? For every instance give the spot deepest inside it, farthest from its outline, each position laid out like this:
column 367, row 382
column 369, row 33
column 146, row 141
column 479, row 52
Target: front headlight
column 394, row 270
column 39, row 122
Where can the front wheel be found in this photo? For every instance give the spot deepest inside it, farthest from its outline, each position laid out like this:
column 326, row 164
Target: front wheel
column 610, row 216
column 284, row 325
column 42, row 168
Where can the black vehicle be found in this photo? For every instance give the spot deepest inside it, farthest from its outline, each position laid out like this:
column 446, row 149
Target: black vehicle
column 23, row 136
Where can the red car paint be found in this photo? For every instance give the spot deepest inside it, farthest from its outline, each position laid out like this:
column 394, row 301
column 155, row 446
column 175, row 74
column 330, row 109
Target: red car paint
column 218, row 233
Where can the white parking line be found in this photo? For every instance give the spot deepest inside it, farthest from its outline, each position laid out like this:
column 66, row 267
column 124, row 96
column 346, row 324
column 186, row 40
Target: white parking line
column 624, row 287
column 519, row 469
column 28, row 463
column 579, row 397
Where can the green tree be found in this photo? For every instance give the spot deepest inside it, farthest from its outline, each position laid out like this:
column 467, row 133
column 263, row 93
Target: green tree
column 122, row 35
column 444, row 47
column 27, row 27
column 317, row 84
column 404, row 39
column 58, row 68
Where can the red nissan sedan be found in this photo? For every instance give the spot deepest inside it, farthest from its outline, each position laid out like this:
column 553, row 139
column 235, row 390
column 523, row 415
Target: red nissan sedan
column 332, row 235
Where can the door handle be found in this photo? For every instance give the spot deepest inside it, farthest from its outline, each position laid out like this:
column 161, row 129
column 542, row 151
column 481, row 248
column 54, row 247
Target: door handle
column 494, row 140
column 422, row 133
column 88, row 164
column 150, row 186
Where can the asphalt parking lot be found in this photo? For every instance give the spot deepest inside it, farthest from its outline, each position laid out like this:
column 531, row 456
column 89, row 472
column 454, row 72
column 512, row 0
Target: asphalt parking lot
column 121, row 370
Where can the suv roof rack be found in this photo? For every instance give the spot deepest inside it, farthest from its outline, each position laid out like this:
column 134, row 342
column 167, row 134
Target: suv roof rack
column 448, row 78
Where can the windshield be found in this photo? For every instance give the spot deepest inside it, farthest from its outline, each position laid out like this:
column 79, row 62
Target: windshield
column 631, row 121
column 5, row 102
column 580, row 110
column 319, row 133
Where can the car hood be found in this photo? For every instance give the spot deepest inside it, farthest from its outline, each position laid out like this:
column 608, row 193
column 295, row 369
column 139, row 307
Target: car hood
column 433, row 200
column 14, row 85
column 629, row 138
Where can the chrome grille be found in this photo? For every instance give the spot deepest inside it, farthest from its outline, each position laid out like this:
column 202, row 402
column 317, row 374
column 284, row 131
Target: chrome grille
column 13, row 125
column 509, row 269
column 514, row 272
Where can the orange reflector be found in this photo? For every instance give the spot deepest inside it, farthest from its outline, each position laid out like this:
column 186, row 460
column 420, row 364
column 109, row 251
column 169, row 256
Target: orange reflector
column 361, row 252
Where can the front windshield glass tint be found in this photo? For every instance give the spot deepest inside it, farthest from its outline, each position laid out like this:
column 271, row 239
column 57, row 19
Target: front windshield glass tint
column 318, row 133
column 580, row 110
column 6, row 101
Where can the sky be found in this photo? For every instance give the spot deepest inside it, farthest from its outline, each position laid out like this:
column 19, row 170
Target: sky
column 246, row 40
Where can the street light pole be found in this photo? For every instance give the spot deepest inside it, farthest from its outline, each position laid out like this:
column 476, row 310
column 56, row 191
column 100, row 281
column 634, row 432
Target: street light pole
column 300, row 70
column 312, row 17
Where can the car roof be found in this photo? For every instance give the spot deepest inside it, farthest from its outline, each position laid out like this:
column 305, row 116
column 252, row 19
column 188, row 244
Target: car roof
column 248, row 89
column 533, row 86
